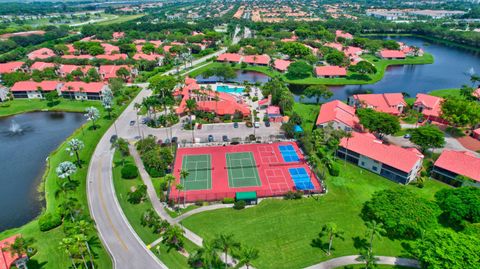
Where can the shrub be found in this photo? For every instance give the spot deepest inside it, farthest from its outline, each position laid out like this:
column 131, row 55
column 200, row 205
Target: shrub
column 228, row 200
column 239, row 205
column 129, row 171
column 137, row 196
column 254, row 99
column 334, row 170
column 49, row 221
column 293, row 195
column 199, row 203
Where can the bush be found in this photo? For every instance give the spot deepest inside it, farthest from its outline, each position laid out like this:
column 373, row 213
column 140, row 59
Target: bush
column 49, row 221
column 239, row 205
column 137, row 196
column 293, row 195
column 334, row 170
column 199, row 203
column 129, row 171
column 228, row 200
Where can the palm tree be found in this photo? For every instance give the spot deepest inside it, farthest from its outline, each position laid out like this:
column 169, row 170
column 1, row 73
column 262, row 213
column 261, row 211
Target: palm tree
column 121, row 145
column 183, row 175
column 169, row 179
column 67, row 245
column 474, row 79
column 248, row 255
column 79, row 240
column 64, row 188
column 174, row 236
column 69, row 207
column 66, row 169
column 191, row 106
column 347, row 135
column 179, row 188
column 84, row 228
column 226, row 242
column 93, row 115
column 74, row 146
column 331, row 230
column 374, row 229
column 368, row 258
column 205, row 257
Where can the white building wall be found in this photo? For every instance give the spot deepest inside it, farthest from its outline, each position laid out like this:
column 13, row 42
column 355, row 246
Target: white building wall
column 369, row 164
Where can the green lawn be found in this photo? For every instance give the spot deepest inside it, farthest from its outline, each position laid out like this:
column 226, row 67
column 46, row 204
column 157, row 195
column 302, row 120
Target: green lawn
column 446, row 92
column 380, row 64
column 380, row 266
column 308, row 113
column 120, row 19
column 29, row 105
column 283, row 230
column 172, row 258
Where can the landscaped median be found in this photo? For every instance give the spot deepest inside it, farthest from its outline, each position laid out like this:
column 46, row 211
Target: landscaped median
column 47, row 243
column 380, row 64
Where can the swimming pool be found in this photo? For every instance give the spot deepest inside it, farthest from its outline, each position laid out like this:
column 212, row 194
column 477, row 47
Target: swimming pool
column 230, row 89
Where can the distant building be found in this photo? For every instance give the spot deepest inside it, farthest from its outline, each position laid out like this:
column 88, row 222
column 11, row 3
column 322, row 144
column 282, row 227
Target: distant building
column 330, row 71
column 34, row 90
column 342, row 34
column 398, row 164
column 65, row 69
column 430, row 107
column 452, row 164
column 112, row 57
column 391, row 103
column 392, row 54
column 10, row 67
column 281, row 65
column 80, row 90
column 229, row 58
column 339, row 115
column 43, row 53
column 263, row 60
column 40, row 66
column 149, row 57
column 273, row 114
column 108, row 72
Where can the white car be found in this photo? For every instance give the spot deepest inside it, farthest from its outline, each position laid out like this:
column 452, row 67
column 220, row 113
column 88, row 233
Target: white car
column 256, row 125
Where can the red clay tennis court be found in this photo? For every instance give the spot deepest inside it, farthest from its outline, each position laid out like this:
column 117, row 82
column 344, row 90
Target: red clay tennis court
column 221, row 171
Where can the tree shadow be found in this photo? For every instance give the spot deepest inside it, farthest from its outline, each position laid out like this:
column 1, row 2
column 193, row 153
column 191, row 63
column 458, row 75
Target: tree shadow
column 360, row 243
column 93, row 127
column 34, row 264
column 53, row 103
column 318, row 243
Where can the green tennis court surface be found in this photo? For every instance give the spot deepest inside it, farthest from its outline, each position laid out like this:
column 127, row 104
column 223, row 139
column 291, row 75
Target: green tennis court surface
column 242, row 170
column 199, row 168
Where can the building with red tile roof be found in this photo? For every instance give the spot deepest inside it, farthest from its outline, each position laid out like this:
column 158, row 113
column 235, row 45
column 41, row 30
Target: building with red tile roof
column 273, row 114
column 336, row 46
column 34, row 90
column 80, row 90
column 430, row 107
column 118, row 35
column 113, row 57
column 110, row 49
column 476, row 93
column 9, row 259
column 149, row 57
column 476, row 133
column 229, row 57
column 452, row 163
column 330, row 71
column 71, row 48
column 110, row 71
column 40, row 66
column 226, row 104
column 65, row 69
column 339, row 115
column 392, row 54
column 342, row 34
column 351, row 51
column 43, row 53
column 399, row 164
column 83, row 56
column 281, row 65
column 263, row 59
column 10, row 67
column 391, row 103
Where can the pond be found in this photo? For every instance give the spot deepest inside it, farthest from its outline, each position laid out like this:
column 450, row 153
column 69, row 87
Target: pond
column 26, row 141
column 450, row 70
column 242, row 76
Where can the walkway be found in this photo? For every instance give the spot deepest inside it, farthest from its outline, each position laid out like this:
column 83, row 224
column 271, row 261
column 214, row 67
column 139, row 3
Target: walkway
column 349, row 260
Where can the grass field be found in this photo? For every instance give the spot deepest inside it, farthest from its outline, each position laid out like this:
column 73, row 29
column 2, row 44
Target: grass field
column 380, row 266
column 308, row 113
column 173, row 259
column 446, row 92
column 25, row 105
column 283, row 230
column 121, row 19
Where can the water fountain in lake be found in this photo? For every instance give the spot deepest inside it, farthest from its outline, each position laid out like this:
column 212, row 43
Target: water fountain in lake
column 16, row 129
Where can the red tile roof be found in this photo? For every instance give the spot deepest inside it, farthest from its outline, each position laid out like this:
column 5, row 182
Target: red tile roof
column 229, row 57
column 83, row 56
column 476, row 93
column 352, row 51
column 340, row 33
column 281, row 65
column 336, row 46
column 7, row 258
column 147, row 57
column 74, row 86
column 257, row 59
column 273, row 110
column 47, row 85
column 461, row 163
column 42, row 53
column 330, row 70
column 69, row 68
column 432, row 104
column 110, row 71
column 10, row 67
column 366, row 144
column 41, row 66
column 392, row 54
column 383, row 102
column 112, row 57
column 109, row 49
column 338, row 111
column 117, row 35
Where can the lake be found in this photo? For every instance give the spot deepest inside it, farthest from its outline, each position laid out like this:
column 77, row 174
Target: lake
column 26, row 141
column 448, row 71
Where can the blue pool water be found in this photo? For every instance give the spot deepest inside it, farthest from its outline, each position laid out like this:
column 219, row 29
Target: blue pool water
column 229, row 89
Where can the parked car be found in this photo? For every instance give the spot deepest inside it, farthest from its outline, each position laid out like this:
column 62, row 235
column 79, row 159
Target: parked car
column 167, row 141
column 210, row 138
column 235, row 125
column 113, row 138
column 159, row 141
column 256, row 124
column 407, row 136
column 267, row 124
column 132, row 122
column 225, row 138
column 174, row 139
column 199, row 126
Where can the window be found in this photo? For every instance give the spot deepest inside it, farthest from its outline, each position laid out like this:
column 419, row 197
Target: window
column 362, row 163
column 374, row 168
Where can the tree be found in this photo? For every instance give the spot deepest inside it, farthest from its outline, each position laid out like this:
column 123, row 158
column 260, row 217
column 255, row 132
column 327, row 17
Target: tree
column 205, row 257
column 368, row 258
column 93, row 75
column 299, row 70
column 403, row 213
column 294, row 49
column 174, row 237
column 374, row 229
column 247, row 255
column 66, row 169
column 226, row 242
column 427, row 137
column 318, row 91
column 92, row 115
column 67, row 245
column 123, row 73
column 191, row 105
column 226, row 72
column 460, row 112
column 444, row 248
column 183, row 175
column 363, row 67
column 460, row 205
column 148, row 48
column 21, row 246
column 169, row 179
column 107, row 102
column 331, row 231
column 335, row 57
column 51, row 98
column 74, row 147
column 378, row 122
column 121, row 145
column 467, row 92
